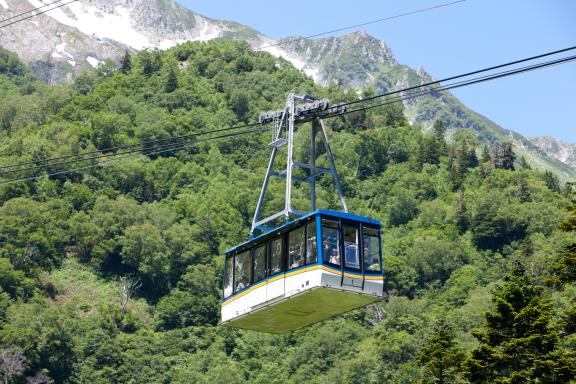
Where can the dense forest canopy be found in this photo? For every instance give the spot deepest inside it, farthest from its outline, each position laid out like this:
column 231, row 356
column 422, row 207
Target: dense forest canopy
column 112, row 274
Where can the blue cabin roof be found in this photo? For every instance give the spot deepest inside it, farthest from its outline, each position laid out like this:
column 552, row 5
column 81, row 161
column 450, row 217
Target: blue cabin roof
column 338, row 214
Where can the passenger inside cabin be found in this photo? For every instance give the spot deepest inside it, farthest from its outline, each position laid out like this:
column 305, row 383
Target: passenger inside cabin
column 297, row 262
column 375, row 265
column 242, row 284
column 331, row 252
column 351, row 251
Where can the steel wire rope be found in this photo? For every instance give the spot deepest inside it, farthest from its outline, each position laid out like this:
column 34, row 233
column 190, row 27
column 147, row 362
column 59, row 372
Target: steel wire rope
column 361, row 24
column 177, row 146
column 394, row 100
column 32, row 10
column 551, row 53
column 199, row 133
column 36, row 14
column 451, row 86
column 475, row 80
column 172, row 148
column 460, row 84
column 96, row 157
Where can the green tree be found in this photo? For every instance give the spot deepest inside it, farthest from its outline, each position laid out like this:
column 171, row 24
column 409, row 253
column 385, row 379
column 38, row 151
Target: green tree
column 171, row 81
column 508, row 157
column 461, row 213
column 144, row 249
column 433, row 146
column 518, row 343
column 107, row 129
column 563, row 271
column 462, row 156
column 84, row 83
column 440, row 355
column 126, row 64
column 523, row 191
column 439, row 131
column 552, row 181
column 493, row 226
column 486, row 158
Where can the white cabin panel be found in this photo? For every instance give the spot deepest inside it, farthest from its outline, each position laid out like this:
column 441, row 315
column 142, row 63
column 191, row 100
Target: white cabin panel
column 275, row 289
column 257, row 295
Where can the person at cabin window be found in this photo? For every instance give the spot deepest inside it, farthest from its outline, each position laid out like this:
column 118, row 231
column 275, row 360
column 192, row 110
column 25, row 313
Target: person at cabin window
column 331, row 251
column 371, row 254
column 311, row 250
column 296, row 248
column 350, row 251
column 375, row 266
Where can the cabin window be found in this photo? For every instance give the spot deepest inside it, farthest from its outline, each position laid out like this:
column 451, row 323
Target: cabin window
column 311, row 245
column 242, row 271
column 259, row 263
column 330, row 242
column 276, row 256
column 296, row 248
column 228, row 278
column 371, row 250
column 351, row 254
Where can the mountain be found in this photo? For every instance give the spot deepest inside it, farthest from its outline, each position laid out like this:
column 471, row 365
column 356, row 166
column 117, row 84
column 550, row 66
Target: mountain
column 359, row 60
column 83, row 34
column 558, row 149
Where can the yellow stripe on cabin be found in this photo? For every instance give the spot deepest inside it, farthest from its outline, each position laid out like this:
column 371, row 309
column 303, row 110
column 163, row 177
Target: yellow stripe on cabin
column 282, row 276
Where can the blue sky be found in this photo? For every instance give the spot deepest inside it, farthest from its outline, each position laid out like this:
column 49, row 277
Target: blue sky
column 448, row 41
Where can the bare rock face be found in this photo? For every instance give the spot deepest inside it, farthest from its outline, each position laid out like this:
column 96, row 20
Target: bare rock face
column 54, row 50
column 558, row 149
column 350, row 60
column 83, row 34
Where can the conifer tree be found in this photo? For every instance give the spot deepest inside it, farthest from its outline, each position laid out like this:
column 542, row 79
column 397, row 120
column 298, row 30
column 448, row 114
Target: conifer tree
column 518, row 343
column 564, row 270
column 486, row 158
column 439, row 130
column 440, row 356
column 433, row 146
column 485, row 161
column 462, row 221
column 496, row 156
column 126, row 64
column 523, row 191
column 508, row 157
column 552, row 181
column 171, row 81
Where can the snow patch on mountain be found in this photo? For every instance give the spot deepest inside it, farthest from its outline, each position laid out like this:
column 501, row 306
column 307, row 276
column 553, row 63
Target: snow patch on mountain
column 94, row 62
column 272, row 47
column 61, row 50
column 4, row 4
column 96, row 23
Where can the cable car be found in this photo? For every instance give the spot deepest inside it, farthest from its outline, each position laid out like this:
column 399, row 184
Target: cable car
column 320, row 265
column 310, row 268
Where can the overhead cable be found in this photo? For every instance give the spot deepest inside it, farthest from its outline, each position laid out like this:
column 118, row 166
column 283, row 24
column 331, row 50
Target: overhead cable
column 155, row 152
column 2, row 25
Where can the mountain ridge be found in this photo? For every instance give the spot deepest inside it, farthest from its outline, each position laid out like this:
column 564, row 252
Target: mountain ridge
column 559, row 149
column 82, row 35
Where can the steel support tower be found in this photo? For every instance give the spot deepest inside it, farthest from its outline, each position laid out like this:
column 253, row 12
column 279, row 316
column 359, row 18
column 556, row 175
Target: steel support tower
column 284, row 125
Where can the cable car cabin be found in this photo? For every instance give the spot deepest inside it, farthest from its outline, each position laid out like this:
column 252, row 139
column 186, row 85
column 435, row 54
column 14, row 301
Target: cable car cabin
column 318, row 266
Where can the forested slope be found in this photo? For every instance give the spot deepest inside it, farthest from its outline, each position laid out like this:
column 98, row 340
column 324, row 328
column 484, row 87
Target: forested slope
column 465, row 232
